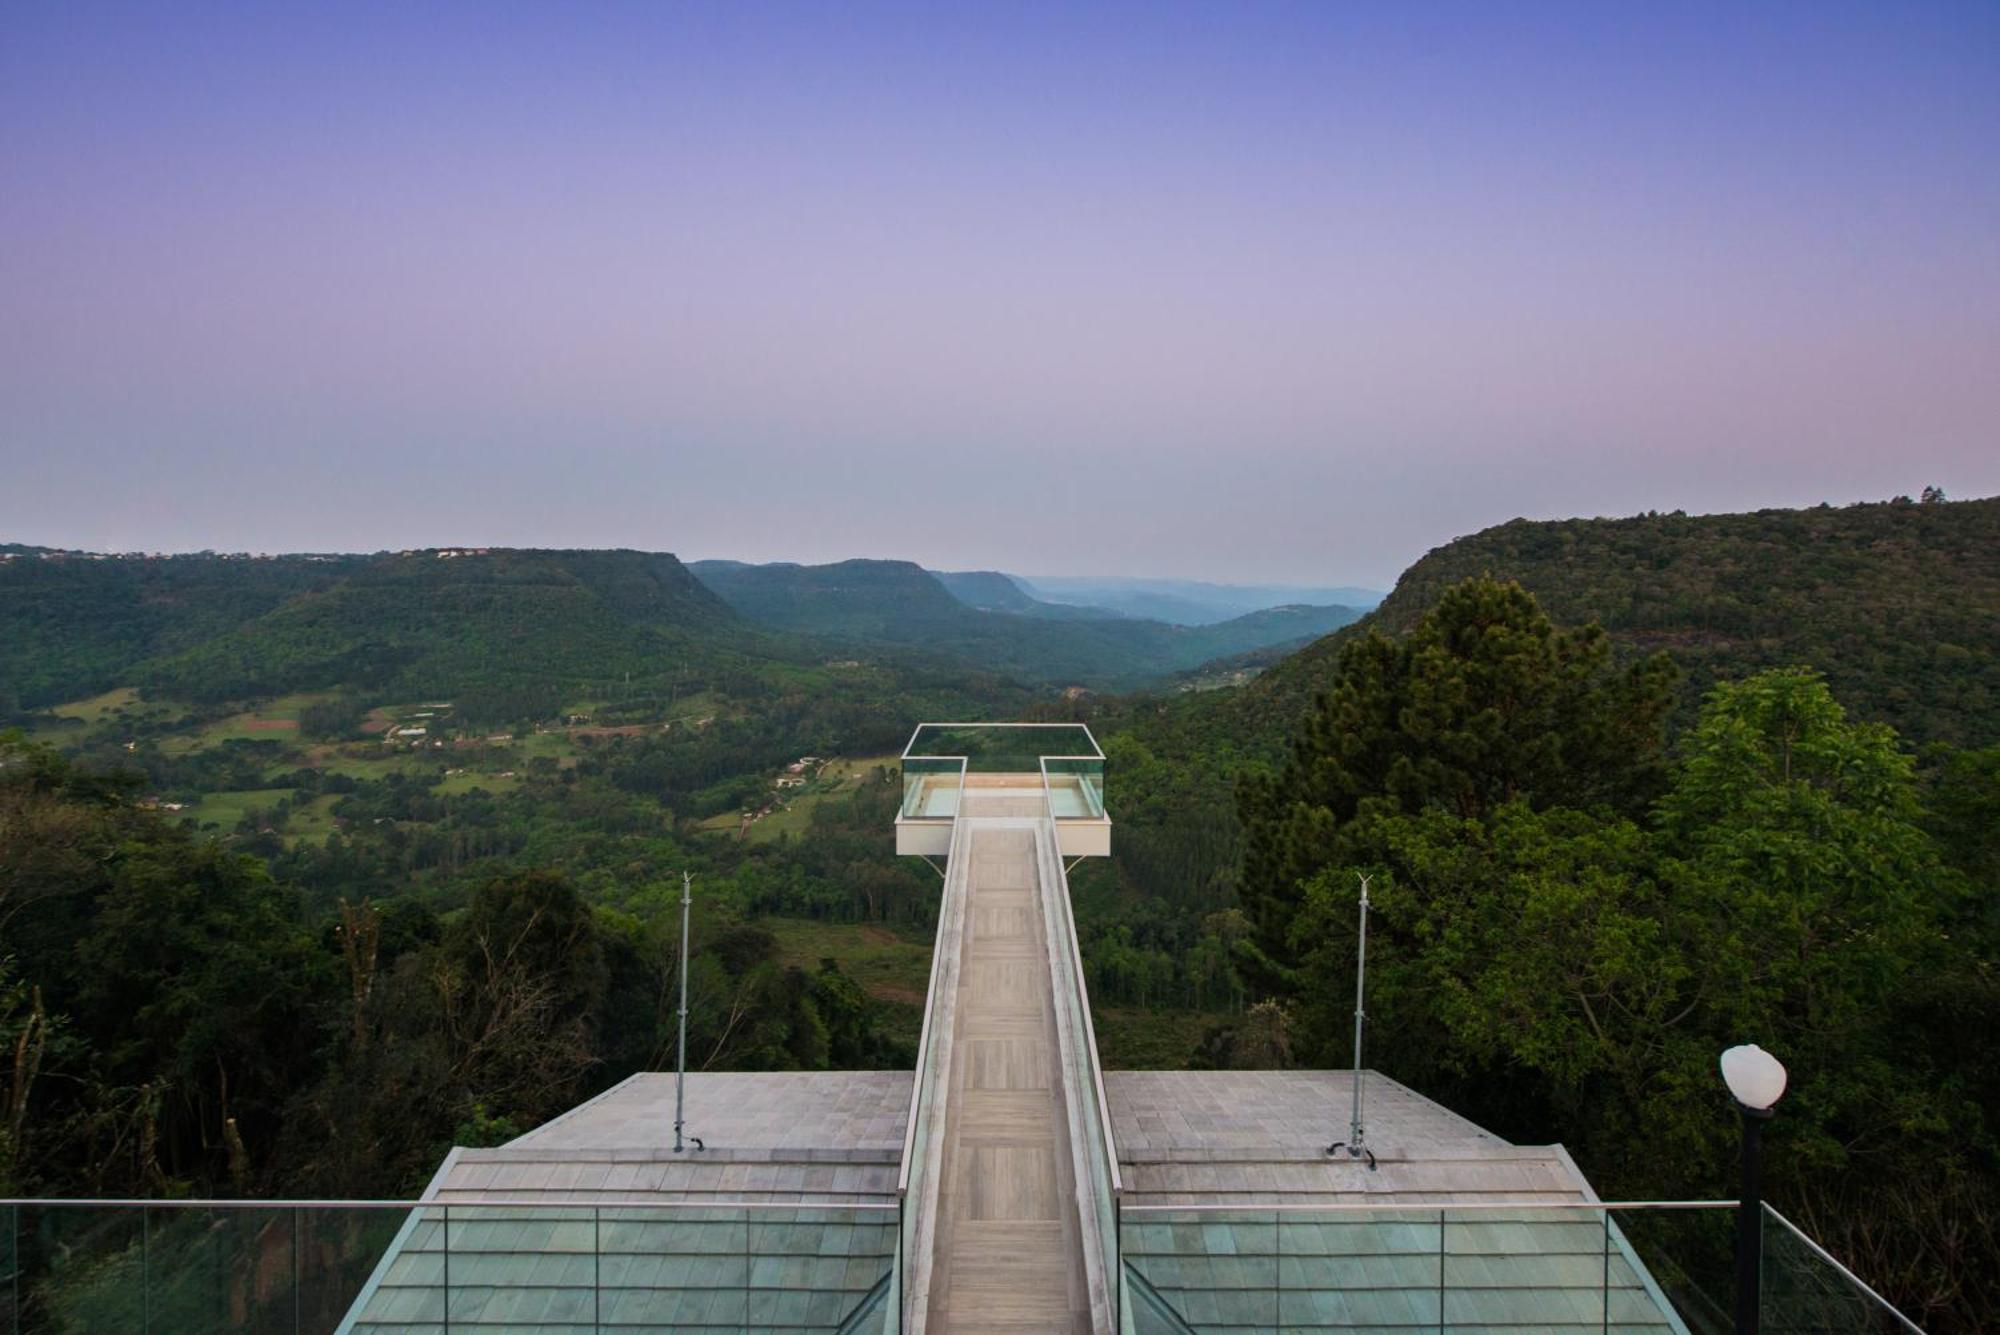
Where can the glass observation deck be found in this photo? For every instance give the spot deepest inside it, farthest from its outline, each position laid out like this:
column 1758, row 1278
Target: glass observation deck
column 1052, row 770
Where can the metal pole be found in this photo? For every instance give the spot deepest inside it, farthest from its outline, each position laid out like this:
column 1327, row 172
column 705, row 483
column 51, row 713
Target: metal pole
column 1356, row 1144
column 681, row 1049
column 1360, row 1016
column 1750, row 1222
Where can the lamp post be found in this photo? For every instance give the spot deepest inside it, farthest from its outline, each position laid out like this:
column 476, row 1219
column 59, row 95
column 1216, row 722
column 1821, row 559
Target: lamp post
column 1756, row 1081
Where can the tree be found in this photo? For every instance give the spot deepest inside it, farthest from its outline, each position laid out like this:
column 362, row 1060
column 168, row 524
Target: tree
column 1484, row 704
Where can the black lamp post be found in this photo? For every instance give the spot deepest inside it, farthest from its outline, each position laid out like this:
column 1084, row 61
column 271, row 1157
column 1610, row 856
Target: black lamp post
column 1756, row 1081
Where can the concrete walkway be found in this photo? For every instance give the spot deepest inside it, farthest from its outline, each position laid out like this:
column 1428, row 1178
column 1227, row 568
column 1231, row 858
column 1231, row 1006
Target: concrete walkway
column 1008, row 1254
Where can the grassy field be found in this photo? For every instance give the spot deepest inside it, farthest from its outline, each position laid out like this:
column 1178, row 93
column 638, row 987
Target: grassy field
column 98, row 708
column 892, row 968
column 840, row 775
column 224, row 810
column 369, row 761
column 313, row 822
column 113, row 711
column 276, row 721
column 453, row 784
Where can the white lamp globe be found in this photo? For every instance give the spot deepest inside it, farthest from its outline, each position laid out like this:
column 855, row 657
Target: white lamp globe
column 1754, row 1076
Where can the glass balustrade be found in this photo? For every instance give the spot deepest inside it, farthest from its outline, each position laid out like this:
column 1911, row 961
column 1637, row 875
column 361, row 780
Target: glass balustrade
column 1806, row 1290
column 932, row 786
column 369, row 1269
column 1002, row 748
column 1062, row 759
column 1664, row 1268
column 1075, row 786
column 84, row 1267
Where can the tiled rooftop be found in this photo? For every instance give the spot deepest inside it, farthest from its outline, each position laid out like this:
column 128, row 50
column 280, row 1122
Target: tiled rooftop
column 1260, row 1138
column 823, row 1110
column 826, row 1137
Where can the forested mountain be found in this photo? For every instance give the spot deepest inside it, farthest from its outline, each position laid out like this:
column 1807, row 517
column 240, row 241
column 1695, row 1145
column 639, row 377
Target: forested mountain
column 991, row 591
column 73, row 624
column 1898, row 603
column 901, row 603
column 434, row 622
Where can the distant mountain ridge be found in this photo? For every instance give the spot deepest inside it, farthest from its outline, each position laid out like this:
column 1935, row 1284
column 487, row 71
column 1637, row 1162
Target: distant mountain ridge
column 901, row 603
column 992, row 591
column 433, row 620
column 210, row 628
column 214, row 628
column 1897, row 603
column 1186, row 602
column 74, row 623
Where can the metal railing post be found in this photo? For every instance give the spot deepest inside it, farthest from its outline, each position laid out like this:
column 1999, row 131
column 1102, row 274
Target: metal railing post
column 1606, row 1214
column 145, row 1270
column 596, row 1268
column 298, row 1275
column 1118, row 1261
column 1440, row 1272
column 447, row 1270
column 1277, row 1273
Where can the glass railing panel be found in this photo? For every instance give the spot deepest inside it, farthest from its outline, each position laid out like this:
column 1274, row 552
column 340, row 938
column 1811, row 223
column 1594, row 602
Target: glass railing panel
column 1507, row 1267
column 1076, row 787
column 1211, row 1269
column 815, row 1269
column 194, row 1269
column 336, row 1251
column 664, row 1268
column 81, row 1268
column 931, row 787
column 10, row 1313
column 1011, row 748
column 1682, row 1258
column 1345, row 1267
column 1357, row 1268
column 513, row 1266
column 1806, row 1290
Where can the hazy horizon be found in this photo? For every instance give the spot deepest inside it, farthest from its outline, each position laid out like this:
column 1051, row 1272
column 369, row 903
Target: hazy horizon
column 1167, row 576
column 1251, row 294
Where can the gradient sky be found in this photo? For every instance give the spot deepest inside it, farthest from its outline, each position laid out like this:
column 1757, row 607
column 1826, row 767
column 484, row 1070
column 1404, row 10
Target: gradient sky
column 1285, row 292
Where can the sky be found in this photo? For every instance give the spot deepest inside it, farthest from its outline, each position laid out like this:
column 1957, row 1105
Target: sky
column 1270, row 292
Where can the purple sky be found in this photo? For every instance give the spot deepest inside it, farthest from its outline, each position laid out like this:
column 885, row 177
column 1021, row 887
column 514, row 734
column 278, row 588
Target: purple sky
column 1285, row 292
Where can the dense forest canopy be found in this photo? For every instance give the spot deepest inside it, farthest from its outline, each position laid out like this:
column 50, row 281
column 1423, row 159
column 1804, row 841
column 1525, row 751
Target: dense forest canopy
column 1571, row 923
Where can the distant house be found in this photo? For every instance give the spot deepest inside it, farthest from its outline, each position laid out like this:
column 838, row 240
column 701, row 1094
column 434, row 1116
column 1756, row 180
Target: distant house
column 411, row 732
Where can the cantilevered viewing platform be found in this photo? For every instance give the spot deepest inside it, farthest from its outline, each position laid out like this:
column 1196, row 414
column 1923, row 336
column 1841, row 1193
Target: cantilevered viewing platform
column 1039, row 771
